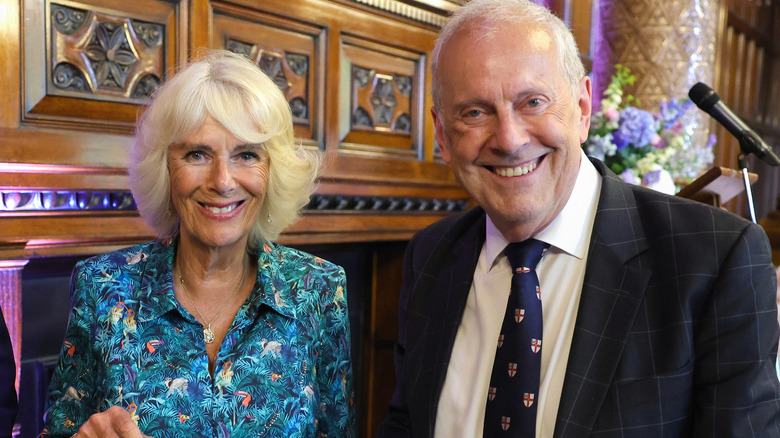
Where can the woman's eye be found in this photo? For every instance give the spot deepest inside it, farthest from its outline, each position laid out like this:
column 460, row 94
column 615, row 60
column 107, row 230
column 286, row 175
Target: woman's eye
column 194, row 155
column 248, row 156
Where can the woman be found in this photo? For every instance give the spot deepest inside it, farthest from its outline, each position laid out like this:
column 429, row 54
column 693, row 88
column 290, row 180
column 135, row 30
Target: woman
column 212, row 330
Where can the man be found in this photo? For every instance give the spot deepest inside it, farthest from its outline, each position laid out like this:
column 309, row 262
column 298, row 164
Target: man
column 659, row 313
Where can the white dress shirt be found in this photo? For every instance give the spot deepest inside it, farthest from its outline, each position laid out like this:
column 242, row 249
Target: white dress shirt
column 461, row 409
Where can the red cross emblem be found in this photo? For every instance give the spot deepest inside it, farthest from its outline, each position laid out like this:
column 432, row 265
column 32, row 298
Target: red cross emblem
column 536, row 345
column 519, row 314
column 528, row 399
column 500, row 340
column 512, row 369
column 492, row 393
column 505, row 422
column 522, row 270
column 538, row 293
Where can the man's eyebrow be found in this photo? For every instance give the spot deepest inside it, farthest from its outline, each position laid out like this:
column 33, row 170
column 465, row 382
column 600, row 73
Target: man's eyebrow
column 469, row 103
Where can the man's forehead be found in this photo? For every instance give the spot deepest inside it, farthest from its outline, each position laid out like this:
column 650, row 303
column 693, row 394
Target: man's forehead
column 480, row 32
column 484, row 50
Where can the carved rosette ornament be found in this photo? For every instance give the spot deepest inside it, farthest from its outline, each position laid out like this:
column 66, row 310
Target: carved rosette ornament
column 380, row 101
column 289, row 71
column 104, row 56
column 669, row 45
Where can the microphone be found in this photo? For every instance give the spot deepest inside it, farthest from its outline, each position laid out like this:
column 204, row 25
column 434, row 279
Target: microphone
column 708, row 100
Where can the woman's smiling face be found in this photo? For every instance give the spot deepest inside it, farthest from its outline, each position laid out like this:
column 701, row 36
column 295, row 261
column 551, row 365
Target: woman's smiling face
column 218, row 185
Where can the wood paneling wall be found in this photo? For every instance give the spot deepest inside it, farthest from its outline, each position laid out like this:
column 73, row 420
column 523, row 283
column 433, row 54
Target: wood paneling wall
column 77, row 72
column 748, row 81
column 358, row 78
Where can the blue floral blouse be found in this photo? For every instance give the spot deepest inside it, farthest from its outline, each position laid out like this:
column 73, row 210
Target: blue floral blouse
column 283, row 369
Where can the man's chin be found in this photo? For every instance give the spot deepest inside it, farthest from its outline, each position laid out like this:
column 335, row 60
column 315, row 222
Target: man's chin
column 517, row 224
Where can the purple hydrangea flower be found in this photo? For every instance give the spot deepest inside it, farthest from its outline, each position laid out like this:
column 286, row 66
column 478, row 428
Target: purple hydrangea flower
column 636, row 127
column 672, row 111
column 652, row 177
column 712, row 140
column 629, row 176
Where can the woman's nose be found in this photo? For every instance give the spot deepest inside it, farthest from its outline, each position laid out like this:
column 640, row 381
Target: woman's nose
column 222, row 178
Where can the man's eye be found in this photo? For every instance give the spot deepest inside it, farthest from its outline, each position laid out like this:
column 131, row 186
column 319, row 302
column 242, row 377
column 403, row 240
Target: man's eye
column 474, row 113
column 533, row 103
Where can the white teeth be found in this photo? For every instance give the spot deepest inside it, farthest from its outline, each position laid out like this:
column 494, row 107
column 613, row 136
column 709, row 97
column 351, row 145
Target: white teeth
column 514, row 171
column 217, row 210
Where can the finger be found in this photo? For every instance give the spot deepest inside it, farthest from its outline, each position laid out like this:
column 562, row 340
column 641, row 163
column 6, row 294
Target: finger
column 115, row 422
column 97, row 426
column 123, row 424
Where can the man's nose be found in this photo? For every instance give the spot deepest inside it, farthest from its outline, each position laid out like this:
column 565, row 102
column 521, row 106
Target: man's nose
column 511, row 132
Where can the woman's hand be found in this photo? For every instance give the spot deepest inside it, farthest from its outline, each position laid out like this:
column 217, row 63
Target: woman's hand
column 112, row 423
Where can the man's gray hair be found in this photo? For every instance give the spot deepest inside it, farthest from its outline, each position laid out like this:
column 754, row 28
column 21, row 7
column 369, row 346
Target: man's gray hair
column 485, row 15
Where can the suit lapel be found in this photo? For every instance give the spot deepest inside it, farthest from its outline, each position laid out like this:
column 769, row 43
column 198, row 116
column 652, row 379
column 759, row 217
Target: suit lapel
column 448, row 274
column 613, row 289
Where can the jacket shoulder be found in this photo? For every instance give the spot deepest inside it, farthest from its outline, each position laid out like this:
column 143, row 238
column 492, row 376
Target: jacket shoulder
column 454, row 225
column 685, row 215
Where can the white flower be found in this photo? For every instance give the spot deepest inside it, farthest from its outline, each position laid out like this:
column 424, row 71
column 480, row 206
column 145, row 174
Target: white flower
column 600, row 147
column 660, row 180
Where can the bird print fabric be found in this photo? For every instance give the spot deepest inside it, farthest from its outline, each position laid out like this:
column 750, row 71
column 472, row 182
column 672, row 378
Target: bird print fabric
column 283, row 369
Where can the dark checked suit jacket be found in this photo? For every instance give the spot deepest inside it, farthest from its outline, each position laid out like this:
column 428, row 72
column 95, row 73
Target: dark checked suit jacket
column 676, row 333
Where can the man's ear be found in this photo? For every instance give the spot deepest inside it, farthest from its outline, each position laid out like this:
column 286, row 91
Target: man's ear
column 441, row 139
column 585, row 104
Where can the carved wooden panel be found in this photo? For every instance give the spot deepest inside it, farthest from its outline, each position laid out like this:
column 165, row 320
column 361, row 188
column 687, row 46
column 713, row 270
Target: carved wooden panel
column 748, row 68
column 383, row 111
column 95, row 61
column 101, row 56
column 289, row 52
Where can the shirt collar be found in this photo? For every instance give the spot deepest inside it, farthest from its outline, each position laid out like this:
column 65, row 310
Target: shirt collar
column 156, row 296
column 271, row 279
column 570, row 231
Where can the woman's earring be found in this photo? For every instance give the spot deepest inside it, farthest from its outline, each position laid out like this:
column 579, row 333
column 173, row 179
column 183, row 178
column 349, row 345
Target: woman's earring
column 269, row 218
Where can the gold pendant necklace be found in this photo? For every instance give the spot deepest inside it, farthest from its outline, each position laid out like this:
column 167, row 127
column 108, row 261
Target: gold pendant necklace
column 208, row 334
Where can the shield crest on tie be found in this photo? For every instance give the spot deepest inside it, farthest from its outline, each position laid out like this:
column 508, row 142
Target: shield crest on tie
column 536, row 345
column 538, row 293
column 522, row 270
column 528, row 399
column 500, row 340
column 491, row 393
column 519, row 314
column 505, row 422
column 512, row 369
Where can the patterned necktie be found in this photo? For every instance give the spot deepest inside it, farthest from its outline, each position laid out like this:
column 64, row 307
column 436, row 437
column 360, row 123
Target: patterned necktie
column 514, row 383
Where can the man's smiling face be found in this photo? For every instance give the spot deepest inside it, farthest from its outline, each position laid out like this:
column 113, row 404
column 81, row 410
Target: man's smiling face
column 510, row 125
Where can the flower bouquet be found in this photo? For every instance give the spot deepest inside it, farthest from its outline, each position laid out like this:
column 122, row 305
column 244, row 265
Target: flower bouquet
column 651, row 149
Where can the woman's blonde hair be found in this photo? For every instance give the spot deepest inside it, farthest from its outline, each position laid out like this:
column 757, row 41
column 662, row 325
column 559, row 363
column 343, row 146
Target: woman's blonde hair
column 237, row 94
